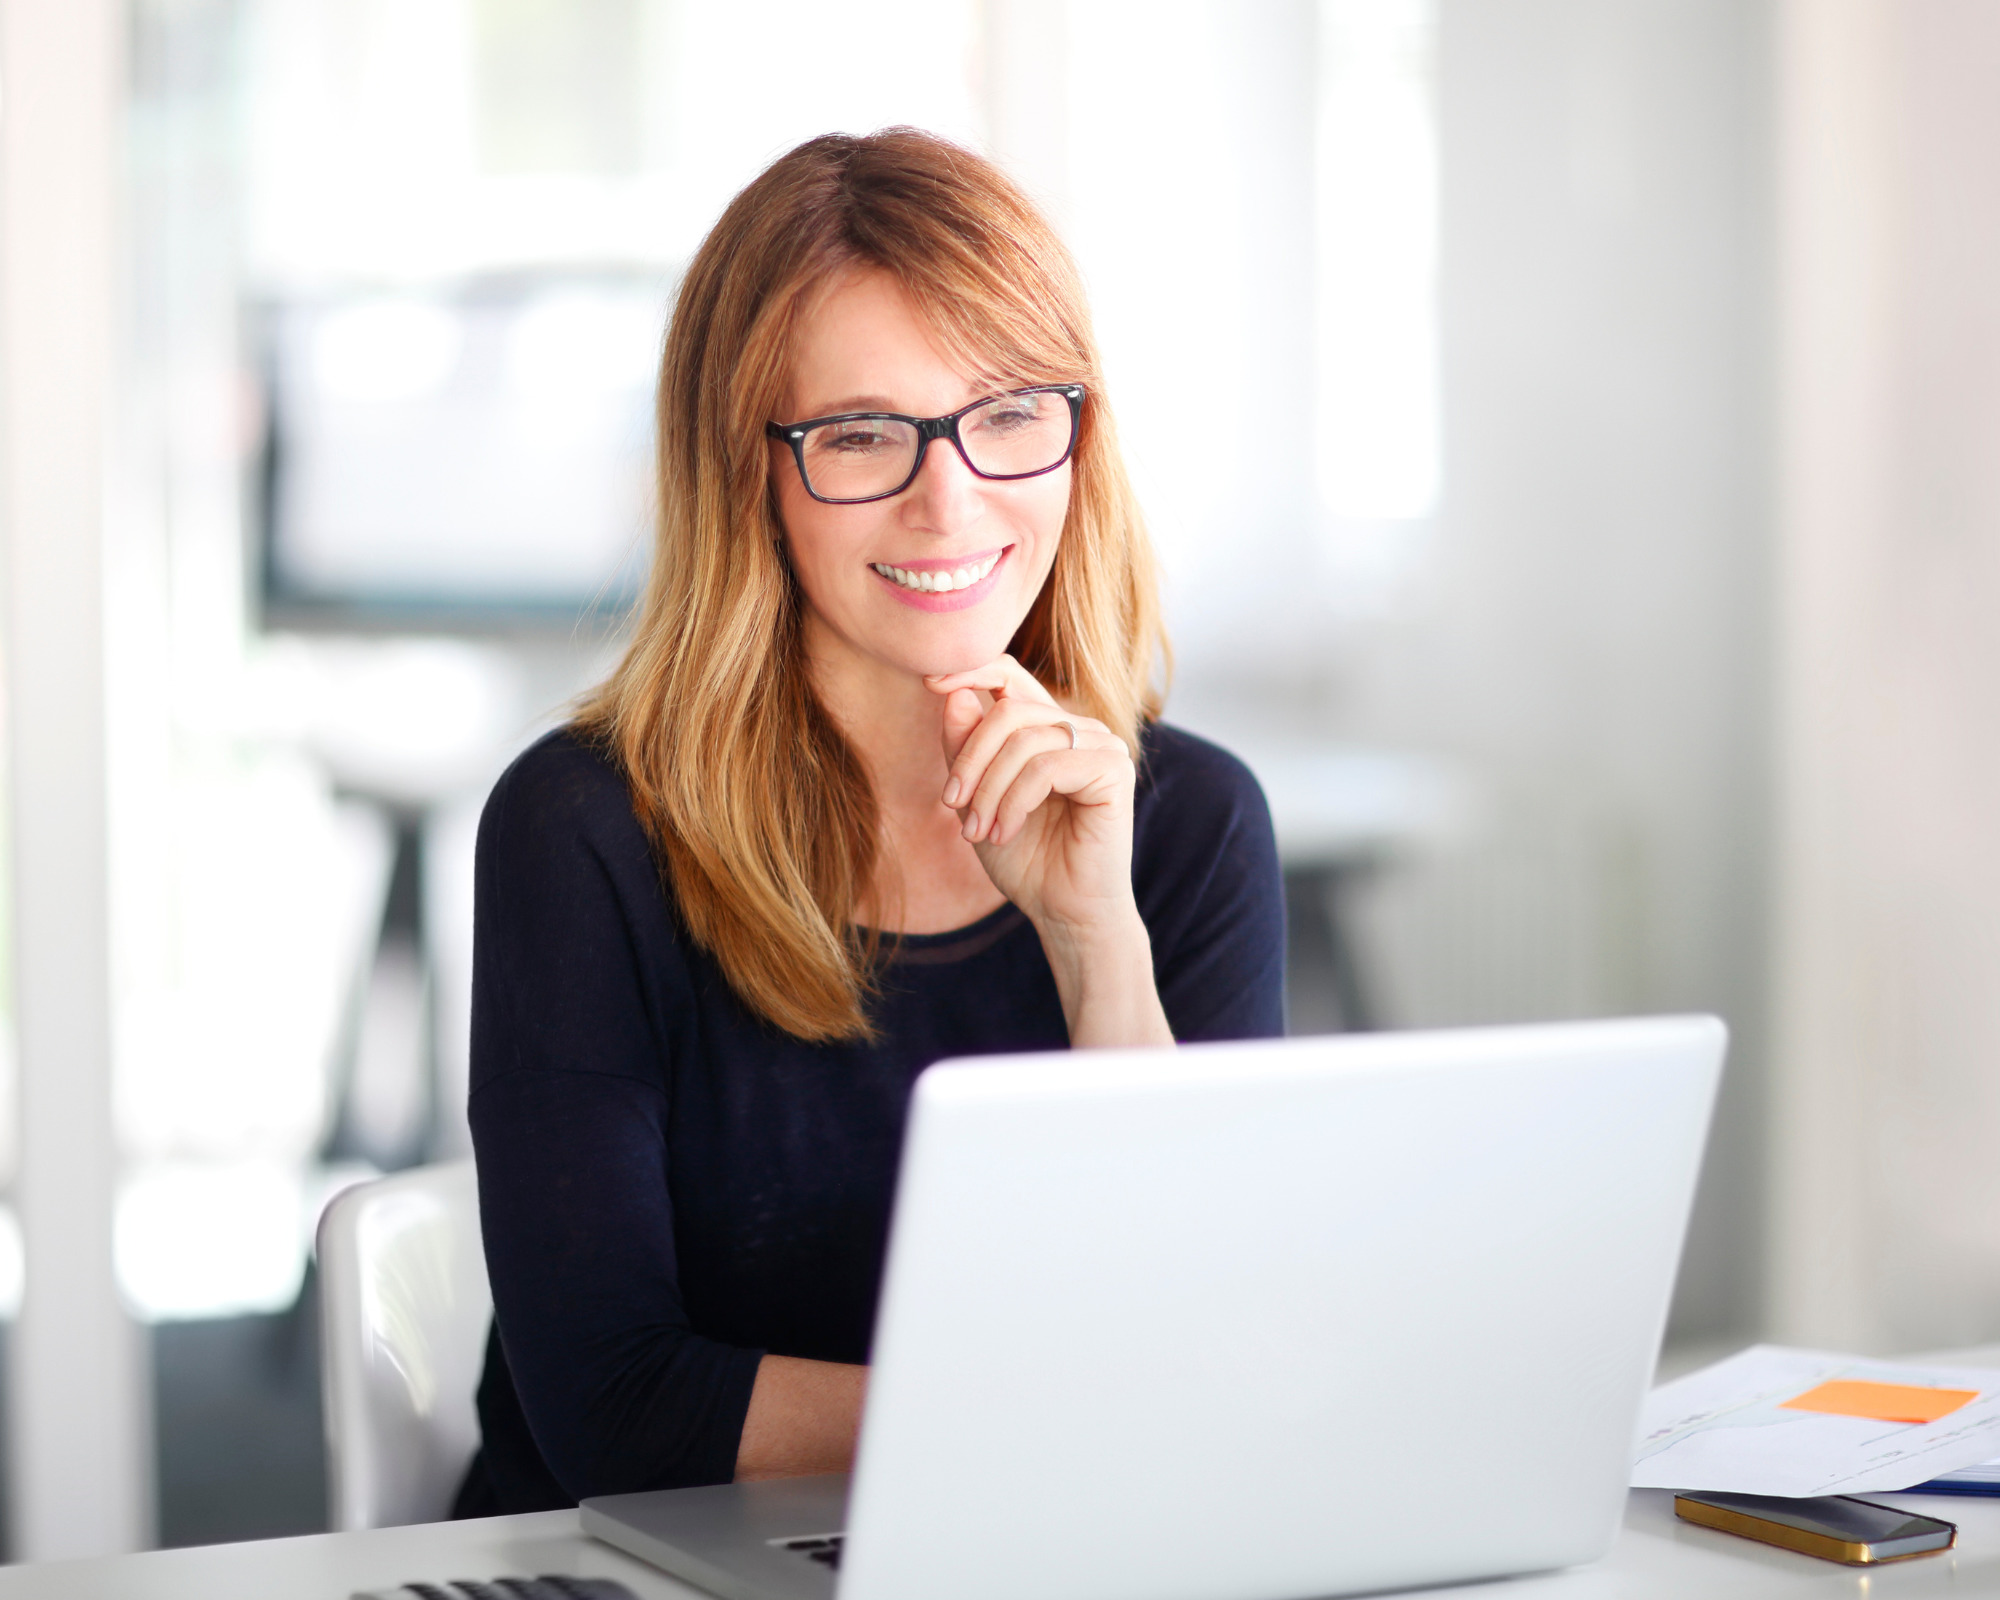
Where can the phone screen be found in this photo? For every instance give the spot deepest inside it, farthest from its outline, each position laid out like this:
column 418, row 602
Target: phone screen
column 1838, row 1517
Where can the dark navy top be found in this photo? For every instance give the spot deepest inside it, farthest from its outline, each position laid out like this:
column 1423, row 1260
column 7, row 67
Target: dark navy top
column 669, row 1187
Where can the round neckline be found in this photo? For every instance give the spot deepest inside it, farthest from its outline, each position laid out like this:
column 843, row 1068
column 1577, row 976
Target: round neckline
column 930, row 941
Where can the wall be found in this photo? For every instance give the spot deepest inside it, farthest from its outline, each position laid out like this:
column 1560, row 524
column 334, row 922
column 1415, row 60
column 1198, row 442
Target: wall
column 1886, row 1098
column 1587, row 631
column 77, row 1391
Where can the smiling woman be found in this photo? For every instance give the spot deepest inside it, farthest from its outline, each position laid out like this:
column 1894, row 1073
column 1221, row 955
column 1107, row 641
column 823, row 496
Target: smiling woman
column 879, row 781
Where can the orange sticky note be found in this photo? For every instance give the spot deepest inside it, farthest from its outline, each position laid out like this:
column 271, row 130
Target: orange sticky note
column 1883, row 1402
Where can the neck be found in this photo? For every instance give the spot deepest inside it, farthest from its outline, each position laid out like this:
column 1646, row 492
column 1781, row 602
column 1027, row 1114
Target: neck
column 895, row 724
column 927, row 878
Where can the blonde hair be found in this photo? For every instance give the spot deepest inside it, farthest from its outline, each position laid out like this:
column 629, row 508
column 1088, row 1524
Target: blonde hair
column 759, row 810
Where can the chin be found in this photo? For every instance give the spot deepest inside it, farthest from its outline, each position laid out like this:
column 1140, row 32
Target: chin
column 956, row 656
column 931, row 644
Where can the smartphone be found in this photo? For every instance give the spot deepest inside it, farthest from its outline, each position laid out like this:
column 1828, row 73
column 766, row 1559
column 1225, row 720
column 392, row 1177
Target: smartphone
column 1834, row 1527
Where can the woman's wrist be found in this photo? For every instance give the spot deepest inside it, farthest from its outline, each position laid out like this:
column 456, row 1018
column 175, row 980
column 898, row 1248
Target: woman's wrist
column 1104, row 975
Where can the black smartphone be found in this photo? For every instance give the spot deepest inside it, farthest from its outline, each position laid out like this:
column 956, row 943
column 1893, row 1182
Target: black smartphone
column 1833, row 1527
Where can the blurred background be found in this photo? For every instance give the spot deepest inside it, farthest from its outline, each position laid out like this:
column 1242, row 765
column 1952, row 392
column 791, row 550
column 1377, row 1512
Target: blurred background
column 1591, row 550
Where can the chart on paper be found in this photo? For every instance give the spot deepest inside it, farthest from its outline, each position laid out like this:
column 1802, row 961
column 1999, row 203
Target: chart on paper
column 1779, row 1421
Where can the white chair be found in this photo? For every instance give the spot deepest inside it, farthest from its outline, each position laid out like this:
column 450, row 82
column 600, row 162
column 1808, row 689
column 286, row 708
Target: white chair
column 404, row 1308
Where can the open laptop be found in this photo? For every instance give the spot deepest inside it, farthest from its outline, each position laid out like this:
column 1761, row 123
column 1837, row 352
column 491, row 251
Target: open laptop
column 1245, row 1322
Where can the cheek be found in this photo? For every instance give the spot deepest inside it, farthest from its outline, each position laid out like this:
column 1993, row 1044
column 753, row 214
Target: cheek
column 821, row 542
column 1046, row 513
column 801, row 518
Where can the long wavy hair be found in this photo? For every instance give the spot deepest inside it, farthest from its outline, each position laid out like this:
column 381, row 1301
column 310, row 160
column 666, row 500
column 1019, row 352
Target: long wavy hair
column 759, row 810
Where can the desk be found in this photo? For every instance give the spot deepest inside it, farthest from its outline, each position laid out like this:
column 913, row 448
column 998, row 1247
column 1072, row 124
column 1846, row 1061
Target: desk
column 1657, row 1557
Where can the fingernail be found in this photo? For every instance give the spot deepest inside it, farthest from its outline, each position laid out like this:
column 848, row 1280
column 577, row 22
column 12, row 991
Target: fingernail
column 972, row 824
column 951, row 791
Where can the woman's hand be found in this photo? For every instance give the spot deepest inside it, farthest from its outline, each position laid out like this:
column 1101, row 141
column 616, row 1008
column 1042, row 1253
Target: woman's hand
column 1050, row 814
column 1052, row 824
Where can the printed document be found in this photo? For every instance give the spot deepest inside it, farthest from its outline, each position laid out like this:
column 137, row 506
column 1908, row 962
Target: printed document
column 1771, row 1420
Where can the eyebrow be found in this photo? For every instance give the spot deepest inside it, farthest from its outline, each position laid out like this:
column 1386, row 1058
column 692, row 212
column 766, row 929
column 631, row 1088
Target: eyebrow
column 876, row 402
column 853, row 402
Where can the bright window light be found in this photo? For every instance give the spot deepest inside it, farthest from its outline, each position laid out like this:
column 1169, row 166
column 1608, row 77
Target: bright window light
column 386, row 351
column 197, row 1240
column 577, row 344
column 413, row 141
column 1377, row 261
column 11, row 1264
column 210, row 1241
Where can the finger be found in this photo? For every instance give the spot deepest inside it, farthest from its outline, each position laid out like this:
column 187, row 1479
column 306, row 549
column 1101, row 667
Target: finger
column 1000, row 767
column 1084, row 777
column 973, row 771
column 962, row 714
column 1001, row 721
column 1003, row 676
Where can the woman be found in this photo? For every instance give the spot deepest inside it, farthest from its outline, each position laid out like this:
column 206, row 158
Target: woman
column 877, row 782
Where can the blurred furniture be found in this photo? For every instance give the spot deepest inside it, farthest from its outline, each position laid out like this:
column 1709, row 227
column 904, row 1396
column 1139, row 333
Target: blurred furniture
column 469, row 457
column 1341, row 812
column 415, row 731
column 404, row 1309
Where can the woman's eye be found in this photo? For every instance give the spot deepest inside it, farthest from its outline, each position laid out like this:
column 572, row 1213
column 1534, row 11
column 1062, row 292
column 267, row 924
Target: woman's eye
column 853, row 437
column 1010, row 418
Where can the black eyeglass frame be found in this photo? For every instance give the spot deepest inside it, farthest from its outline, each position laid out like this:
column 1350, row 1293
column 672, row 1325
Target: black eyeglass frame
column 928, row 429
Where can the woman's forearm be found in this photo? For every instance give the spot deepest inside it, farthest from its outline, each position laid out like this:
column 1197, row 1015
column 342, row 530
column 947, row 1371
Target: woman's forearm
column 804, row 1418
column 1105, row 979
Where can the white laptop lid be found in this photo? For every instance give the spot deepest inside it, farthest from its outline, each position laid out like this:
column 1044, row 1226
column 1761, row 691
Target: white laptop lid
column 1279, row 1319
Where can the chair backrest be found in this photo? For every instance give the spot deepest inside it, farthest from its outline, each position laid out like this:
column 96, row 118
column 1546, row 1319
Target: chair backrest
column 404, row 1308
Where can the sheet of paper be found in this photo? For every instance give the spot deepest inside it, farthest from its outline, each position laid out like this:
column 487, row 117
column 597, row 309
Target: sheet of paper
column 1984, row 1472
column 1728, row 1428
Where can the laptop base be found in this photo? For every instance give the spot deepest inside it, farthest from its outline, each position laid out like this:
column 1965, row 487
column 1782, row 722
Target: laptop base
column 730, row 1539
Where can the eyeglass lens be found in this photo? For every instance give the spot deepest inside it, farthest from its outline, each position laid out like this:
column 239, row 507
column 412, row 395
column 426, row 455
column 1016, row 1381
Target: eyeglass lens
column 1009, row 436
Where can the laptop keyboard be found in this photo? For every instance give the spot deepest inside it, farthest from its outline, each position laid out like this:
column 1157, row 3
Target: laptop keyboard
column 821, row 1547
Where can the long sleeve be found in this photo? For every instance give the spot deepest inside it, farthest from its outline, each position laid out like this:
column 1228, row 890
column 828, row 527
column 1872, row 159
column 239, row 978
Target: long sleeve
column 577, row 1004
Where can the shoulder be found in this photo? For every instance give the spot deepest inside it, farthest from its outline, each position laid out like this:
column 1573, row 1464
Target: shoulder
column 564, row 795
column 1198, row 811
column 563, row 870
column 1206, row 876
column 563, row 771
column 564, row 779
column 1185, row 777
column 577, row 962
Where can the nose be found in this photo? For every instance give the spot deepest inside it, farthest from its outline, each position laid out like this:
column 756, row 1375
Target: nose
column 945, row 497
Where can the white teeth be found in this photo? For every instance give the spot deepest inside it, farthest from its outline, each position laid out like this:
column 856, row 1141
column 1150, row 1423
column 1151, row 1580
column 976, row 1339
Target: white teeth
column 940, row 582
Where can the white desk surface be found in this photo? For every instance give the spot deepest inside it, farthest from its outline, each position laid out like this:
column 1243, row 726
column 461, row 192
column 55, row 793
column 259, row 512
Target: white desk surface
column 1657, row 1556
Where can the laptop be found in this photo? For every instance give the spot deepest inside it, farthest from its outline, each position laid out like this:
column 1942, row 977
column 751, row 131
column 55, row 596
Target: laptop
column 1245, row 1322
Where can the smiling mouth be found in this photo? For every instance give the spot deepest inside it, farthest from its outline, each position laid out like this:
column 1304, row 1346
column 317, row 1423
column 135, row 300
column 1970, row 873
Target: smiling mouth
column 939, row 581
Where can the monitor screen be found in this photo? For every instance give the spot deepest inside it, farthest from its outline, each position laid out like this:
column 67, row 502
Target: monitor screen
column 475, row 457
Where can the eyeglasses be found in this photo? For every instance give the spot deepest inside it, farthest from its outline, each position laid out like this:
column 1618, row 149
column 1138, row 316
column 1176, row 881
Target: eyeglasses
column 870, row 455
